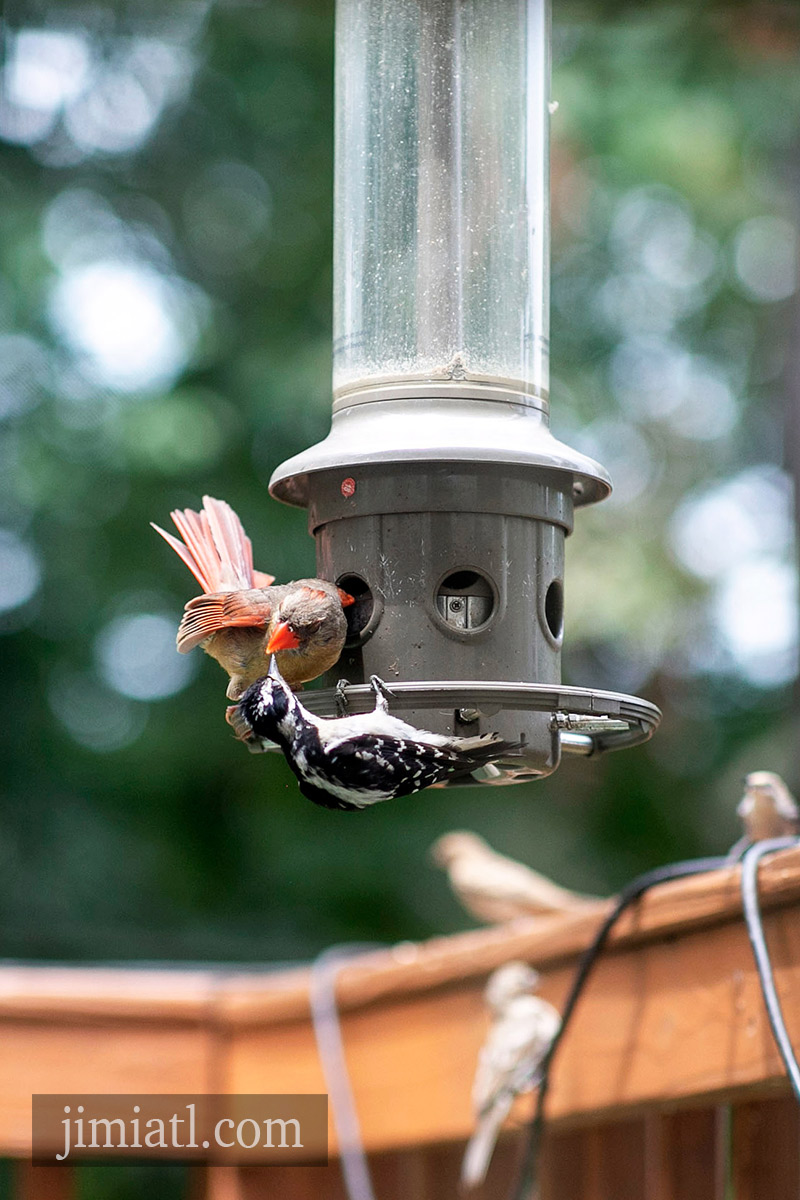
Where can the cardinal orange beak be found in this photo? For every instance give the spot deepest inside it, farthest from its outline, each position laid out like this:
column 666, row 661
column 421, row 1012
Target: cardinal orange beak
column 283, row 638
column 345, row 598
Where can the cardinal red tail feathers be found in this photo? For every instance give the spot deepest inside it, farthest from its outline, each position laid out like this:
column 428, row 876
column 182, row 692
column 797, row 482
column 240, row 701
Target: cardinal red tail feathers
column 215, row 547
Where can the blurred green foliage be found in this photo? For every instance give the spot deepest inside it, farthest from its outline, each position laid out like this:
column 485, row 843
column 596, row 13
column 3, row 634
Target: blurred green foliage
column 165, row 289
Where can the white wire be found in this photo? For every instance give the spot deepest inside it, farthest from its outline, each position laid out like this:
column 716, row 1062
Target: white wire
column 328, row 1033
column 755, row 931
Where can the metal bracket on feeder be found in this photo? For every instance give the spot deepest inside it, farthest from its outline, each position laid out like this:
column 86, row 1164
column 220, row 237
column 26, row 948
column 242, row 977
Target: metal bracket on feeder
column 583, row 721
column 440, row 500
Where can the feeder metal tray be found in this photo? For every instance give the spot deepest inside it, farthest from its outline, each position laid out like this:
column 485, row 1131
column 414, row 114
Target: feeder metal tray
column 586, row 720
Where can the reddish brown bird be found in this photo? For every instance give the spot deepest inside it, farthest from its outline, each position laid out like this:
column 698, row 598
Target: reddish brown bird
column 243, row 617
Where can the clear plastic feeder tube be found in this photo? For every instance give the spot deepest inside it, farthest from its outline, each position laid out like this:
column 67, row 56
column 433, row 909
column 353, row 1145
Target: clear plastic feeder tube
column 441, row 226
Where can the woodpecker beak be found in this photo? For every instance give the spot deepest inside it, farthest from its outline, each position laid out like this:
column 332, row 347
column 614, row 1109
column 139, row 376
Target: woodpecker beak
column 273, row 672
column 283, row 638
column 346, row 598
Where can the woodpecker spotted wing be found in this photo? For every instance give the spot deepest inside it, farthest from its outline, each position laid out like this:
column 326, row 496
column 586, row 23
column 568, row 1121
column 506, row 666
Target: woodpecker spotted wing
column 351, row 763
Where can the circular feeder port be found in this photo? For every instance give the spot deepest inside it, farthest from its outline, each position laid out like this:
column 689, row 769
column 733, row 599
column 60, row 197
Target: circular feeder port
column 363, row 614
column 554, row 608
column 465, row 600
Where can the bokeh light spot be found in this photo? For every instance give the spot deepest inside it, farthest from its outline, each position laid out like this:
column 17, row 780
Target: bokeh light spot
column 20, row 572
column 133, row 324
column 93, row 715
column 116, row 115
column 24, row 370
column 137, row 657
column 765, row 258
column 744, row 517
column 226, row 213
column 657, row 379
column 756, row 608
column 46, row 68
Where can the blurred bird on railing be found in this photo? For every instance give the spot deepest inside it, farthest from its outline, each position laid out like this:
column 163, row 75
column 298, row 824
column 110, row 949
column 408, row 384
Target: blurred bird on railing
column 523, row 1027
column 494, row 888
column 243, row 616
column 767, row 809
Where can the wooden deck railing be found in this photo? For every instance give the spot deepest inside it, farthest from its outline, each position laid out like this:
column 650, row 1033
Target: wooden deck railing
column 667, row 1087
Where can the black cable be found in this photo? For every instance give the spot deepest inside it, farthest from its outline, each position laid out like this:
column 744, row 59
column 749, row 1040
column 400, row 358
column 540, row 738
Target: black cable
column 526, row 1180
column 755, row 931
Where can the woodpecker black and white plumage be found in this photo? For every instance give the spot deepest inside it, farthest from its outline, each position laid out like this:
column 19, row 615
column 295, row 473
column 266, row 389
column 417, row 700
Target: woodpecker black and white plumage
column 351, row 763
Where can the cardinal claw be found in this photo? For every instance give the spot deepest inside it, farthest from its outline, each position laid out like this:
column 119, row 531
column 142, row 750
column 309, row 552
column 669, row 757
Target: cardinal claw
column 238, row 724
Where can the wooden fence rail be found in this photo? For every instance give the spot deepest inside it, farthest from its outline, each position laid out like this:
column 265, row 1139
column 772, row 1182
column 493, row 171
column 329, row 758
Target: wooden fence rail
column 667, row 1087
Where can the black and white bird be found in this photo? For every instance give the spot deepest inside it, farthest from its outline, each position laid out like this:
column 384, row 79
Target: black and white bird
column 354, row 762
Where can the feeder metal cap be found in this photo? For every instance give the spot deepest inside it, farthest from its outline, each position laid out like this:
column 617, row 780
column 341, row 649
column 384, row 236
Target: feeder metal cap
column 444, row 428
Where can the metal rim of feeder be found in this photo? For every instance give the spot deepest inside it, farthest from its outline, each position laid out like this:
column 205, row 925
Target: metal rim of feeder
column 586, row 720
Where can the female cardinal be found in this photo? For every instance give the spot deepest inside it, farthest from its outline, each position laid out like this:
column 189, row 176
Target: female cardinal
column 242, row 618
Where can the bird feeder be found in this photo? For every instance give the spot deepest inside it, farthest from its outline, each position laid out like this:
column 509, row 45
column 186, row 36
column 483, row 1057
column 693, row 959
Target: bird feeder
column 440, row 499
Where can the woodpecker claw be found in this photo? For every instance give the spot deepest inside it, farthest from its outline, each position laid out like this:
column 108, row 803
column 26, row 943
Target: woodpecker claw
column 382, row 692
column 353, row 762
column 340, row 697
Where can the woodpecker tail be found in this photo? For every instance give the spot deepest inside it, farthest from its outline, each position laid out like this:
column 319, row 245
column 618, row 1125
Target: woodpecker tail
column 480, row 1147
column 486, row 742
column 215, row 547
column 488, row 748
